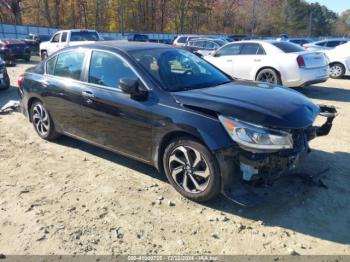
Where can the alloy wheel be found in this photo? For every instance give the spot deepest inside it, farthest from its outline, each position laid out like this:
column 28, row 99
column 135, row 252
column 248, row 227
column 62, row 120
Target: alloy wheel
column 41, row 120
column 336, row 71
column 189, row 169
column 267, row 77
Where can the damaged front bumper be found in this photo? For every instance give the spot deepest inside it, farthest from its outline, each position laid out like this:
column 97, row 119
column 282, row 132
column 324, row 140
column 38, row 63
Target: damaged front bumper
column 239, row 164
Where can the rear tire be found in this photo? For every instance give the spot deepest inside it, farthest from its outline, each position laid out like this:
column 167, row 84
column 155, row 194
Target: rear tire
column 43, row 55
column 336, row 70
column 42, row 121
column 268, row 75
column 192, row 169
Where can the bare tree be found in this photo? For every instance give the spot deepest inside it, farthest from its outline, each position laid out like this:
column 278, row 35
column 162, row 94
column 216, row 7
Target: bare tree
column 14, row 7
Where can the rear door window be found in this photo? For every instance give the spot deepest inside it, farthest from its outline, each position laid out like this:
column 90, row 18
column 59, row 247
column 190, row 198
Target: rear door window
column 252, row 49
column 107, row 69
column 64, row 37
column 70, row 64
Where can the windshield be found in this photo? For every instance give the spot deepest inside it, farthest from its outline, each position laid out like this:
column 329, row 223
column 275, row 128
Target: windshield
column 179, row 70
column 288, row 47
column 84, row 36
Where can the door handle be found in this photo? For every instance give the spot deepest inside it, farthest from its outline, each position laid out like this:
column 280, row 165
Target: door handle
column 257, row 60
column 88, row 94
column 229, row 60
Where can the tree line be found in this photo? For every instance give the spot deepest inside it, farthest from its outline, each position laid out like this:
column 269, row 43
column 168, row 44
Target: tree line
column 250, row 17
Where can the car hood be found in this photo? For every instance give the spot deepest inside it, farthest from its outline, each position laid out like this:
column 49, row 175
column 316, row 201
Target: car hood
column 258, row 103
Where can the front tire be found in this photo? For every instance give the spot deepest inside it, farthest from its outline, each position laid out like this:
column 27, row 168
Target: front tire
column 268, row 75
column 336, row 71
column 192, row 169
column 42, row 121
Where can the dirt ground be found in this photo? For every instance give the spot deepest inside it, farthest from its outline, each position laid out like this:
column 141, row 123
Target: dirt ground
column 68, row 197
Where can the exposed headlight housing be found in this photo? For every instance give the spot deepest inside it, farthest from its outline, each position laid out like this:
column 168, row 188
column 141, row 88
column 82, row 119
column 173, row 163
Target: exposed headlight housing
column 256, row 137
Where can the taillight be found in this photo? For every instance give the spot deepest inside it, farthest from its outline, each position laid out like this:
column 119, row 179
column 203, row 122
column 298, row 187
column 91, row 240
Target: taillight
column 5, row 46
column 20, row 81
column 300, row 61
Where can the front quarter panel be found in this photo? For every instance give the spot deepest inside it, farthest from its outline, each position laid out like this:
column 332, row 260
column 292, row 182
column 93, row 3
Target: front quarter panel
column 206, row 128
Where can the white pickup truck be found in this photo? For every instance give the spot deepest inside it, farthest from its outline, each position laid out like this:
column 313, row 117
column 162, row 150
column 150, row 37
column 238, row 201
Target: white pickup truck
column 64, row 38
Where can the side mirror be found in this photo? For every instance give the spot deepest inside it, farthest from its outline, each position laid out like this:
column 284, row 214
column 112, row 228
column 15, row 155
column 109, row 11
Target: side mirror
column 215, row 54
column 133, row 88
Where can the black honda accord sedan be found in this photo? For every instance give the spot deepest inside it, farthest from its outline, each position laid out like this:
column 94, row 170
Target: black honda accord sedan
column 169, row 108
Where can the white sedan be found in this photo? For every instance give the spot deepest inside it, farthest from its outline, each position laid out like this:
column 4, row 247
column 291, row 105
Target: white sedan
column 271, row 61
column 339, row 61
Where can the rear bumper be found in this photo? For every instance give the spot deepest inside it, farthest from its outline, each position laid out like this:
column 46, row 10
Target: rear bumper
column 308, row 77
column 5, row 55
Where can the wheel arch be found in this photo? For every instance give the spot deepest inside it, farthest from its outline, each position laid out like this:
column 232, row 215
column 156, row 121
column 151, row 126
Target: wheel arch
column 165, row 140
column 272, row 68
column 337, row 62
column 31, row 101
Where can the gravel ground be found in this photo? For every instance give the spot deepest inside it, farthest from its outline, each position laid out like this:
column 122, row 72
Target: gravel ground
column 68, row 197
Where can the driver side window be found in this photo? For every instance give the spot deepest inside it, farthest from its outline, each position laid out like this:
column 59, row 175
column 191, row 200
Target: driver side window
column 56, row 38
column 107, row 69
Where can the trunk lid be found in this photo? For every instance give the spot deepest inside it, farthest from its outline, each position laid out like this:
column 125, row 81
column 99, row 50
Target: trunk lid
column 313, row 59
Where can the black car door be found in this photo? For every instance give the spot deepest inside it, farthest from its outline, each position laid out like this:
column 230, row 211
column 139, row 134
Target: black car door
column 63, row 90
column 111, row 118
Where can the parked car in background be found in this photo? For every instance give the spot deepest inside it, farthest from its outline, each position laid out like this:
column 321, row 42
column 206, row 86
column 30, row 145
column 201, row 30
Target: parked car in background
column 181, row 40
column 204, row 46
column 235, row 38
column 325, row 44
column 171, row 109
column 12, row 49
column 66, row 38
column 138, row 37
column 34, row 40
column 278, row 62
column 4, row 77
column 299, row 41
column 339, row 60
column 107, row 38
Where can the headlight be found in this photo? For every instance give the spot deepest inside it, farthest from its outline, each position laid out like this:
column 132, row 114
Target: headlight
column 256, row 137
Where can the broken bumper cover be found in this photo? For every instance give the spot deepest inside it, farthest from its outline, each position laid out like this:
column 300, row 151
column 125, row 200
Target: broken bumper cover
column 239, row 164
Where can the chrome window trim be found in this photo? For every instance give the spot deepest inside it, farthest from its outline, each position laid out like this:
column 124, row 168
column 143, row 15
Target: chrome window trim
column 88, row 58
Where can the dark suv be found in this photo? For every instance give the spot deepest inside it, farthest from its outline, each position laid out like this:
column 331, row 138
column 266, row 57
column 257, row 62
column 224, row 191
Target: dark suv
column 169, row 108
